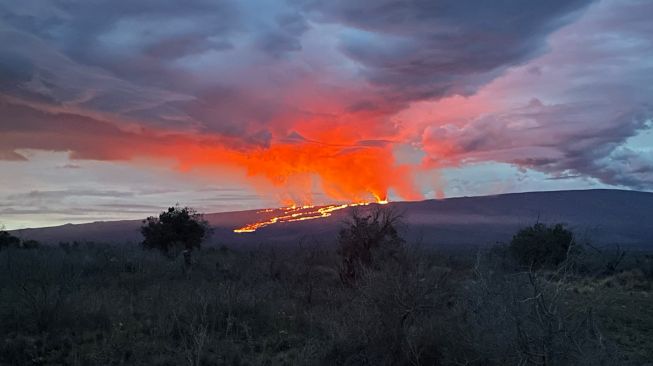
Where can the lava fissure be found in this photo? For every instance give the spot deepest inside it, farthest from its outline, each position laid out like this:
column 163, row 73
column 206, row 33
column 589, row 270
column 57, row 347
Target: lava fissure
column 292, row 214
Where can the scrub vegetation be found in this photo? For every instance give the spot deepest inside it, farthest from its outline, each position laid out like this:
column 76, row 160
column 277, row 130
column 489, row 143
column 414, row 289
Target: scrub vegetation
column 370, row 299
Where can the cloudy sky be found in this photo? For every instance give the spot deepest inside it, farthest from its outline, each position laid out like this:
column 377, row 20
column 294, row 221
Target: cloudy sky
column 115, row 109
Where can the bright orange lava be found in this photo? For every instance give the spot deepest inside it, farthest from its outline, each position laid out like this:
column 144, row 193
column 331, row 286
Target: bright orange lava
column 290, row 214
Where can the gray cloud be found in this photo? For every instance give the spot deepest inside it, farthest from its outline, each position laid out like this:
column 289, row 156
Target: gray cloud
column 427, row 49
column 563, row 140
column 286, row 35
column 130, row 58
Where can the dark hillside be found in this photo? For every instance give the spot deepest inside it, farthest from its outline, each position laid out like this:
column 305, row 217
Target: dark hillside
column 603, row 216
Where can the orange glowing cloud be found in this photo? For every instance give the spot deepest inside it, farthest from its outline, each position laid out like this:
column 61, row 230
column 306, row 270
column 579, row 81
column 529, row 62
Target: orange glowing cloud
column 347, row 158
column 345, row 167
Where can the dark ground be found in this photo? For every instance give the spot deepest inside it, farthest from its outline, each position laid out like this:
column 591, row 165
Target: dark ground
column 119, row 305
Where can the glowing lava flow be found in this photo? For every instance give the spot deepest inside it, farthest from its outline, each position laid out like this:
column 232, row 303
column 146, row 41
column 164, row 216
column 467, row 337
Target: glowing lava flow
column 290, row 214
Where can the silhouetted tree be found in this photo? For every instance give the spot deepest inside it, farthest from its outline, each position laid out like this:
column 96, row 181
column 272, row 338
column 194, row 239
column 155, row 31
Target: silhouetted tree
column 541, row 246
column 174, row 230
column 367, row 239
column 614, row 261
column 30, row 244
column 7, row 240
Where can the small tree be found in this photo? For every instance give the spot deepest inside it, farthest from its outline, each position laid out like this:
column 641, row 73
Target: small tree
column 7, row 240
column 368, row 240
column 30, row 244
column 177, row 229
column 541, row 246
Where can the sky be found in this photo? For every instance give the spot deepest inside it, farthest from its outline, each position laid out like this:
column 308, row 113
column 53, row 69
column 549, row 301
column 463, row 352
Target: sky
column 116, row 109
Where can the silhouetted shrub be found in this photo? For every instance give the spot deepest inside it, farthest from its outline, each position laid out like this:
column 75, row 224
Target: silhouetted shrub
column 174, row 230
column 7, row 240
column 541, row 246
column 30, row 244
column 368, row 240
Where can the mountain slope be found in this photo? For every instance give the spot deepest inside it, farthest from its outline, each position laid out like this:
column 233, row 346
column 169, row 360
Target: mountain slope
column 602, row 216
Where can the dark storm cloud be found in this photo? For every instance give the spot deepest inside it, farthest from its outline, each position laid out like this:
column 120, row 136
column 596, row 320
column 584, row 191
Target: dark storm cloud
column 49, row 76
column 409, row 50
column 424, row 49
column 111, row 56
column 95, row 32
column 279, row 43
column 285, row 37
column 14, row 69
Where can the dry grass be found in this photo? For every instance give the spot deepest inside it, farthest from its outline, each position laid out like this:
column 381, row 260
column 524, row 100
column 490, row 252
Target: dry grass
column 124, row 306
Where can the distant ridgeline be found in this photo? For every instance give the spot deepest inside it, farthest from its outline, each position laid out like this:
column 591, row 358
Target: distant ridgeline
column 603, row 217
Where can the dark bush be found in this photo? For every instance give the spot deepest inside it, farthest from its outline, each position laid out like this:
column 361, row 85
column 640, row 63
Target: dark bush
column 7, row 240
column 366, row 241
column 30, row 244
column 174, row 230
column 541, row 246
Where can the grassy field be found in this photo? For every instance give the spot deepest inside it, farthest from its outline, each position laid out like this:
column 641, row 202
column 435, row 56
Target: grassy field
column 623, row 304
column 103, row 305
